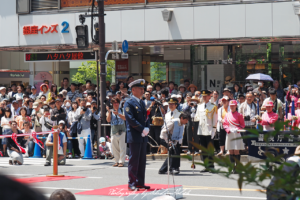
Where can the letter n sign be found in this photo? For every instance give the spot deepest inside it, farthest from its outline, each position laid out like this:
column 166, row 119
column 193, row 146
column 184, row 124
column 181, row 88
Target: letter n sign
column 212, row 83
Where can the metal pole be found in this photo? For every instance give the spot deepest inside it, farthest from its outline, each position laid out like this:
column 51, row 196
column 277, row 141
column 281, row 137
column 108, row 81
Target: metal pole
column 102, row 59
column 98, row 122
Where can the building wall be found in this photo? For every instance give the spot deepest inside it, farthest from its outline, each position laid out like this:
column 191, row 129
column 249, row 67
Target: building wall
column 199, row 22
column 13, row 60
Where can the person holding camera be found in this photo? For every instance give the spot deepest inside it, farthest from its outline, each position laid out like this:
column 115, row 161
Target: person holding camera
column 156, row 119
column 58, row 113
column 192, row 124
column 276, row 102
column 116, row 117
column 293, row 93
column 84, row 116
column 248, row 111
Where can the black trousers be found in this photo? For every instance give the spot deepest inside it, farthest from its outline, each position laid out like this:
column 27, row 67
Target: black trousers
column 191, row 135
column 245, row 141
column 222, row 137
column 174, row 160
column 154, row 133
column 75, row 144
column 137, row 164
column 205, row 141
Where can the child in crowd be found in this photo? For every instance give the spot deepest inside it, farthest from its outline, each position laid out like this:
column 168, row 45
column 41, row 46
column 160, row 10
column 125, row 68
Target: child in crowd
column 104, row 149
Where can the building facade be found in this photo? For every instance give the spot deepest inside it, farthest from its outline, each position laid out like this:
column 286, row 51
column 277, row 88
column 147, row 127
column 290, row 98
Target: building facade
column 204, row 41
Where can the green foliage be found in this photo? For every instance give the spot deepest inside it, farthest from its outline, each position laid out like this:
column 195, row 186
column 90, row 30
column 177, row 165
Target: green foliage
column 156, row 71
column 255, row 174
column 88, row 71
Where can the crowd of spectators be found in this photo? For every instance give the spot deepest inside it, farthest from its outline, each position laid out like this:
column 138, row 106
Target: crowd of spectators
column 73, row 107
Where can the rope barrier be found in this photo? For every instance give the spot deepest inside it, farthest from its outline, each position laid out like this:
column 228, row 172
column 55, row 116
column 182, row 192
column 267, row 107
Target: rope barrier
column 27, row 134
column 67, row 137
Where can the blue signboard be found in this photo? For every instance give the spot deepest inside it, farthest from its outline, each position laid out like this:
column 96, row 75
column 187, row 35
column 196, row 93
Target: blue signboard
column 125, row 46
column 284, row 142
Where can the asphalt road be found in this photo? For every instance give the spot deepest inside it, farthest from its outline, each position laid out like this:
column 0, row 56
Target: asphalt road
column 101, row 174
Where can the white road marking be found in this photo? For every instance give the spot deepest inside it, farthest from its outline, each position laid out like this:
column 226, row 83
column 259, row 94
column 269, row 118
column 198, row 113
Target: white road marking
column 56, row 188
column 237, row 197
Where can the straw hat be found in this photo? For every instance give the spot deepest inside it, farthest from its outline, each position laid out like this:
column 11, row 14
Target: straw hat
column 192, row 85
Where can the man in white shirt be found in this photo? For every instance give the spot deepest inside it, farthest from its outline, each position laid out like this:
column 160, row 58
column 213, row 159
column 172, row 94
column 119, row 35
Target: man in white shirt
column 62, row 149
column 276, row 102
column 147, row 100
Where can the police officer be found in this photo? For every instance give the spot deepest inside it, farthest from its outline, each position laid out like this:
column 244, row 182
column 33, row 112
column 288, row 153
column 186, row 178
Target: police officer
column 208, row 117
column 137, row 127
column 173, row 112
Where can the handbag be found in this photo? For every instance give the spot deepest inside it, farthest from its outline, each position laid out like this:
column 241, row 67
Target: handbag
column 79, row 126
column 48, row 125
column 157, row 121
column 162, row 149
column 73, row 129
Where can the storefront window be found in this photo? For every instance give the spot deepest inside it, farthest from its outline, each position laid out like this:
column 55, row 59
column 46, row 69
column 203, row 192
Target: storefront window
column 178, row 71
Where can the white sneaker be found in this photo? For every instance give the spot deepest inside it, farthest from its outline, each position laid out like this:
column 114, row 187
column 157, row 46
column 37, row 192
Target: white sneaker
column 188, row 153
column 70, row 156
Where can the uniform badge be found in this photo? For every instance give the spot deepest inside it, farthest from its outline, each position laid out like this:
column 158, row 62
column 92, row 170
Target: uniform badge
column 127, row 109
column 137, row 107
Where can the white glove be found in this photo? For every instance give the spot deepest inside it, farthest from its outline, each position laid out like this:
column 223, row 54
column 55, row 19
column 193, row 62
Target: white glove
column 145, row 132
column 233, row 130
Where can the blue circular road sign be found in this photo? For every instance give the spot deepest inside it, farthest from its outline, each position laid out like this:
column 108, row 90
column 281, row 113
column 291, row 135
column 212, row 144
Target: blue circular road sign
column 125, row 46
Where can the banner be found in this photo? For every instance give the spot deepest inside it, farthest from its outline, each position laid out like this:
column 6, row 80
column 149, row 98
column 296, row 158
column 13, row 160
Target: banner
column 284, row 142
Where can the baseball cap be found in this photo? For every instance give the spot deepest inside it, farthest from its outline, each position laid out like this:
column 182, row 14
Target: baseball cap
column 2, row 88
column 33, row 87
column 19, row 98
column 165, row 104
column 233, row 103
column 102, row 139
column 61, row 122
column 35, row 104
column 225, row 98
column 269, row 103
column 88, row 104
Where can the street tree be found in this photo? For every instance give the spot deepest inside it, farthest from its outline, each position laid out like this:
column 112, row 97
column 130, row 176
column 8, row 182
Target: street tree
column 88, row 71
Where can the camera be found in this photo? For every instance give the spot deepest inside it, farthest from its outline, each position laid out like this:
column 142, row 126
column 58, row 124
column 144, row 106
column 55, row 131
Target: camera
column 84, row 109
column 192, row 104
column 247, row 118
column 157, row 102
column 107, row 103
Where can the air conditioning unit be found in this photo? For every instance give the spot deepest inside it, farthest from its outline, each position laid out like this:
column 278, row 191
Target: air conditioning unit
column 296, row 8
column 22, row 6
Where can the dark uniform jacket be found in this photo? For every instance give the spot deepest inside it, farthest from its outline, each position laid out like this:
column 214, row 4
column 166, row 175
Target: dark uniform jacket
column 136, row 120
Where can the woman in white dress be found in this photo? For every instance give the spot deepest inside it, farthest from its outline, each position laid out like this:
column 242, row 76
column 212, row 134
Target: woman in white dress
column 232, row 123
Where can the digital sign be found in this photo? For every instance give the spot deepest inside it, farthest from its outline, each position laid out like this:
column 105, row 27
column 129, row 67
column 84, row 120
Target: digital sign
column 60, row 56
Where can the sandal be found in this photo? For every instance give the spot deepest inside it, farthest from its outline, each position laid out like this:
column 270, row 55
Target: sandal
column 116, row 165
column 121, row 165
